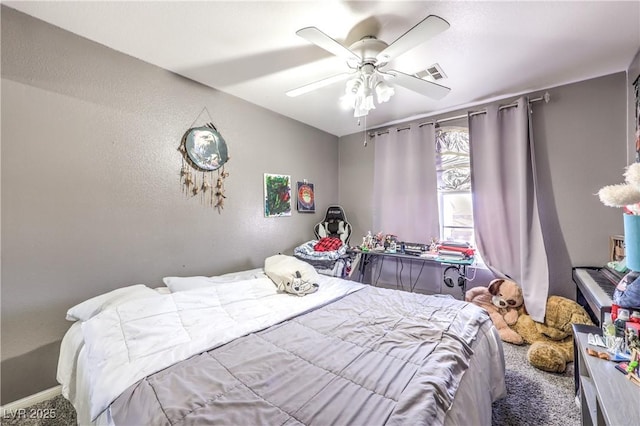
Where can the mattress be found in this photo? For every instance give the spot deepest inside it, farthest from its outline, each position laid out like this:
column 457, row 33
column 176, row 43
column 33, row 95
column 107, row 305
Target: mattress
column 481, row 370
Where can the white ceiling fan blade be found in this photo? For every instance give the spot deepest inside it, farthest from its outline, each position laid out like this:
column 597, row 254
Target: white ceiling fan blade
column 427, row 28
column 320, row 39
column 424, row 87
column 318, row 84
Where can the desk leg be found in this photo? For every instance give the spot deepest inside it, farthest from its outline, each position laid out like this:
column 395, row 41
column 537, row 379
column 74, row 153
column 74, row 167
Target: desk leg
column 362, row 267
column 461, row 270
column 463, row 281
column 365, row 261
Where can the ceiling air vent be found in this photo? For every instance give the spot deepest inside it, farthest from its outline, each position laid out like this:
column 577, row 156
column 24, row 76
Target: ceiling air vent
column 433, row 73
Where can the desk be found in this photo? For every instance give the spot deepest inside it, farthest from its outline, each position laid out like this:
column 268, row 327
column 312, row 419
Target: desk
column 606, row 396
column 460, row 266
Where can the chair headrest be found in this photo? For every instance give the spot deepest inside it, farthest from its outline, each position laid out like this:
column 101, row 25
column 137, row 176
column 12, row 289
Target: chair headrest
column 334, row 224
column 334, row 214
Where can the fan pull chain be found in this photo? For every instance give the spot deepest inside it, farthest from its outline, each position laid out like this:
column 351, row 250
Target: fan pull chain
column 365, row 131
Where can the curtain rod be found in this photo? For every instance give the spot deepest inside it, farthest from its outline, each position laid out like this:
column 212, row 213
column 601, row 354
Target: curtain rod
column 546, row 97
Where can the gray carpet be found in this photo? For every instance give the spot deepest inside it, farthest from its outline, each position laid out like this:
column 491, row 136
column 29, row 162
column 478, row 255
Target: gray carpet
column 534, row 397
column 58, row 410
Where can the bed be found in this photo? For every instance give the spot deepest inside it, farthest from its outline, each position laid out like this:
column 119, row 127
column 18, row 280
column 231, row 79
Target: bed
column 233, row 350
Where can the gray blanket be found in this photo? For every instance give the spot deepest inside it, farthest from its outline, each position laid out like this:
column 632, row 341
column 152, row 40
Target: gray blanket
column 373, row 357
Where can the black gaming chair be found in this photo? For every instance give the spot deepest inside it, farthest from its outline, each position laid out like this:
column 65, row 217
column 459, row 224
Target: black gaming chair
column 334, row 224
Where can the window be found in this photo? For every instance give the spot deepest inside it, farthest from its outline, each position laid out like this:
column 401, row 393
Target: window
column 453, row 170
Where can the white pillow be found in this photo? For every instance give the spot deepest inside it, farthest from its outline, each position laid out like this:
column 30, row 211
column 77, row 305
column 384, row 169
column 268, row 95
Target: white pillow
column 282, row 269
column 189, row 283
column 239, row 276
column 92, row 307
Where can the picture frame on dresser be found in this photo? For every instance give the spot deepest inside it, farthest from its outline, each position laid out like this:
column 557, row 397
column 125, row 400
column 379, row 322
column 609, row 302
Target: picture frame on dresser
column 616, row 248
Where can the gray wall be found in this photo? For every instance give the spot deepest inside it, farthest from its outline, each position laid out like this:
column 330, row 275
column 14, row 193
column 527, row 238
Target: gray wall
column 581, row 145
column 91, row 198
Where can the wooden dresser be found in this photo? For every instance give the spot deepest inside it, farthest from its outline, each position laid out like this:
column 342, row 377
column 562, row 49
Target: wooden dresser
column 606, row 396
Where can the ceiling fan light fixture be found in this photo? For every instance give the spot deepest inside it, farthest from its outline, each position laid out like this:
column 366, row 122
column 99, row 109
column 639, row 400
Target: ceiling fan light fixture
column 384, row 92
column 351, row 91
column 353, row 85
column 359, row 93
column 348, row 101
column 366, row 57
column 363, row 105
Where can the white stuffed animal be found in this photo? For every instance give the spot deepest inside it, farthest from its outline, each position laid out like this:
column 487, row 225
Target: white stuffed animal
column 291, row 275
column 298, row 286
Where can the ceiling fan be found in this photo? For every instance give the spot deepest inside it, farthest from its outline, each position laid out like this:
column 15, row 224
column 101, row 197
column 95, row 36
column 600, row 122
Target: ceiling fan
column 366, row 58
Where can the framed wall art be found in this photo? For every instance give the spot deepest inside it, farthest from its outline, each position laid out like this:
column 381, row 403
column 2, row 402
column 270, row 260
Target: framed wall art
column 306, row 198
column 277, row 195
column 204, row 155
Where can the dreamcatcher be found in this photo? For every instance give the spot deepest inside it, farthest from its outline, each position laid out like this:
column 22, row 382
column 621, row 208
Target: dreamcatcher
column 204, row 152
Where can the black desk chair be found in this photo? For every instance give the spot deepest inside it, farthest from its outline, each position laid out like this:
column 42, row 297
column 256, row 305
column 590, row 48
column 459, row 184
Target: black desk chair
column 334, row 224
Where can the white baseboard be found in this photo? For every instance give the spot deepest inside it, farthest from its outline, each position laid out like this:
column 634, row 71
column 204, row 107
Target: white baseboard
column 30, row 400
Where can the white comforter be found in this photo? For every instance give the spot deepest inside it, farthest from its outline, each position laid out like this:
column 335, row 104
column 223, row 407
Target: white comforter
column 138, row 338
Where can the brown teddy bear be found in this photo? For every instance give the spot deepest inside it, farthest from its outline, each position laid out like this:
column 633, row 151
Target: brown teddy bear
column 501, row 299
column 552, row 341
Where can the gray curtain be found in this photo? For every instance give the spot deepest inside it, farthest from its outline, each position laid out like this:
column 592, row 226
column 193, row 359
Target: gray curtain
column 505, row 201
column 405, row 200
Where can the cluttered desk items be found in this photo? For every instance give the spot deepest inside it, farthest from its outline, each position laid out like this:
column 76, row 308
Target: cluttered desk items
column 456, row 256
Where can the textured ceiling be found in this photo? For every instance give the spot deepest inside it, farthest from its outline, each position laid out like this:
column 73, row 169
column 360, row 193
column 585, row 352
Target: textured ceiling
column 251, row 50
